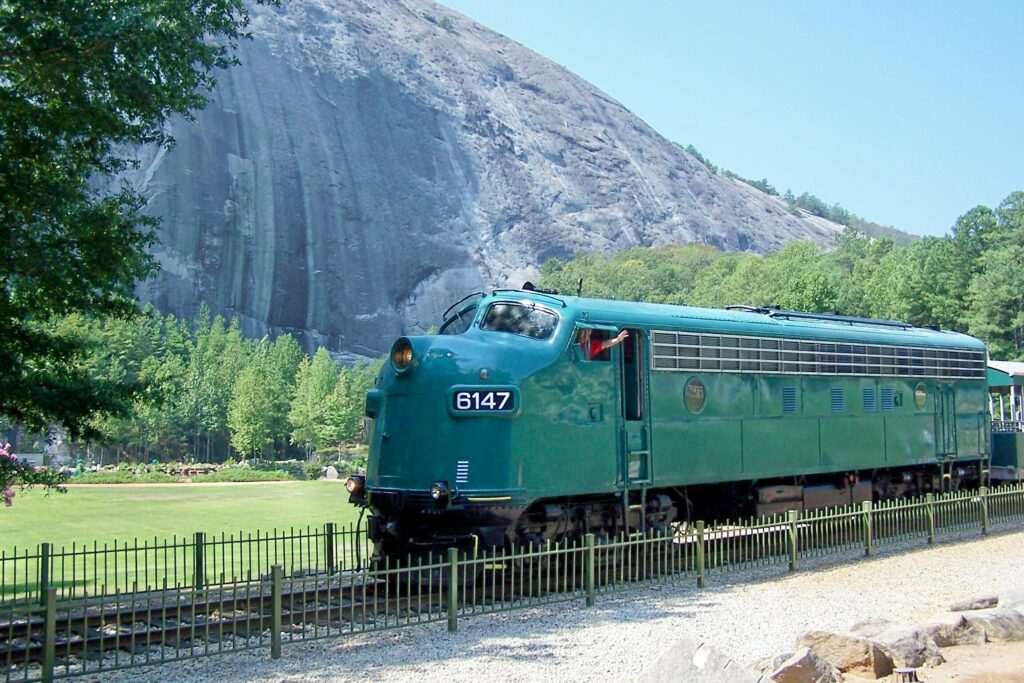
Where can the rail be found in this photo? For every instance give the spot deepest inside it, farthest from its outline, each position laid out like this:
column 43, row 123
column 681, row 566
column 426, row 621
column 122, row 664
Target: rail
column 56, row 638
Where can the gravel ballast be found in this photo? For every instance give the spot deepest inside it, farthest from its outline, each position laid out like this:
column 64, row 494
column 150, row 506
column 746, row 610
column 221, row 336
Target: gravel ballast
column 747, row 616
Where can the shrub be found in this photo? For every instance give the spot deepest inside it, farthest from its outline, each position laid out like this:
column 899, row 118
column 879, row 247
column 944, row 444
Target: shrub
column 312, row 470
column 124, row 477
column 241, row 474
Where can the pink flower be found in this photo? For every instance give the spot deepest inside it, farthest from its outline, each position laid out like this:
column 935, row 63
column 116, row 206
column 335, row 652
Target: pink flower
column 8, row 496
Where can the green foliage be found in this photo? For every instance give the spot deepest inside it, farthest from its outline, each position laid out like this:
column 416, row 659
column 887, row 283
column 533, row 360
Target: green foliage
column 970, row 281
column 761, row 184
column 124, row 477
column 240, row 474
column 314, row 382
column 251, row 408
column 83, row 82
column 206, row 390
column 692, row 151
column 312, row 470
column 15, row 473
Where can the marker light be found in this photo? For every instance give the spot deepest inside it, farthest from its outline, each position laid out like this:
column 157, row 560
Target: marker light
column 439, row 491
column 355, row 484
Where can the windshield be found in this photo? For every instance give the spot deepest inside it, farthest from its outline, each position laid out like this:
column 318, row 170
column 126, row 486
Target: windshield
column 525, row 319
column 460, row 322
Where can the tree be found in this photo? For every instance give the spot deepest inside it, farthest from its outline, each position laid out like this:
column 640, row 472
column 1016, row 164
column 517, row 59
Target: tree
column 18, row 473
column 314, row 382
column 282, row 365
column 80, row 82
column 251, row 408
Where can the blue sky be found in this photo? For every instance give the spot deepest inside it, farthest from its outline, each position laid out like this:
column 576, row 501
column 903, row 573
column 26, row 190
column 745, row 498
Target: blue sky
column 906, row 113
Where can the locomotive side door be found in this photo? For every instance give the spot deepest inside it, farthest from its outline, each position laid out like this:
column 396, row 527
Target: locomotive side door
column 945, row 419
column 635, row 469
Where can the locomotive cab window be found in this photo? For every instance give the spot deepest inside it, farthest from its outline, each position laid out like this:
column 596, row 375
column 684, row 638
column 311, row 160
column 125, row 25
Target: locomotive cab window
column 526, row 319
column 460, row 321
column 591, row 343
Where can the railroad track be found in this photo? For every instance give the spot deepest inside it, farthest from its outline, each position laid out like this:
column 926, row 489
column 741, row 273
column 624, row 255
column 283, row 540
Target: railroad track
column 356, row 601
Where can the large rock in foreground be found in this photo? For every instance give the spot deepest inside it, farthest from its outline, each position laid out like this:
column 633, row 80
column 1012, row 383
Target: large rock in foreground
column 369, row 162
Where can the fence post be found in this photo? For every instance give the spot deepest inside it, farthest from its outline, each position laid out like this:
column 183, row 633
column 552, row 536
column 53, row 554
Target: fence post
column 453, row 590
column 45, row 553
column 199, row 560
column 793, row 539
column 868, row 531
column 929, row 505
column 984, row 510
column 275, row 617
column 588, row 568
column 329, row 541
column 50, row 634
column 700, row 553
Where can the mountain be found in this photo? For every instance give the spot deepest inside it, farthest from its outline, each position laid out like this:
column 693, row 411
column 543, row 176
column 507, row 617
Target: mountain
column 369, row 162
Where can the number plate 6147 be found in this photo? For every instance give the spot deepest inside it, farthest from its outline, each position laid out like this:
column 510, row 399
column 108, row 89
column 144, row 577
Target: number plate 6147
column 473, row 400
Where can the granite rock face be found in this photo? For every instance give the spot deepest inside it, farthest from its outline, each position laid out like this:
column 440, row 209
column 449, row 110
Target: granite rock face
column 369, row 162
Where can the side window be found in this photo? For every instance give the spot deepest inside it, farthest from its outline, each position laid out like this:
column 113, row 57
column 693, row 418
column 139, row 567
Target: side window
column 592, row 345
column 460, row 322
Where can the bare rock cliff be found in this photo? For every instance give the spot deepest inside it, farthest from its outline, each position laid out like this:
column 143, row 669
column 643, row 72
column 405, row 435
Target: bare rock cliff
column 370, row 161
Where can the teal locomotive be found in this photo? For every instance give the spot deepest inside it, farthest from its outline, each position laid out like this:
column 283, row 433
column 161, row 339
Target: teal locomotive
column 531, row 416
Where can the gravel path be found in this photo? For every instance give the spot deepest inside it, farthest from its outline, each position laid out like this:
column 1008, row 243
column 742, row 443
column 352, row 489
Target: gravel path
column 747, row 616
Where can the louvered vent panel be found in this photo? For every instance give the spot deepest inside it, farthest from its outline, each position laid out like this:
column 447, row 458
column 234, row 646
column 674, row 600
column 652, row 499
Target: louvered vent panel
column 788, row 400
column 887, row 401
column 870, row 400
column 838, row 404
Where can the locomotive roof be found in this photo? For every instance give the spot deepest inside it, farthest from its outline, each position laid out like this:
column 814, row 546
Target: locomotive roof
column 763, row 322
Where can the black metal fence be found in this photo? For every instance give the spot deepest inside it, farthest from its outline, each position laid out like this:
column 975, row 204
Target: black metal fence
column 309, row 593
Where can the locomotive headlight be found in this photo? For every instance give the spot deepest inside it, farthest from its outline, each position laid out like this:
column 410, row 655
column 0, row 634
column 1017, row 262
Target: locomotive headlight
column 439, row 491
column 355, row 484
column 401, row 355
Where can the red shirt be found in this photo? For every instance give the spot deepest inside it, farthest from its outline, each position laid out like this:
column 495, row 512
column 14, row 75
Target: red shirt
column 592, row 349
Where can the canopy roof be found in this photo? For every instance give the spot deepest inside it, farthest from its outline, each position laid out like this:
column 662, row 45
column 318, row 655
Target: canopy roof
column 1004, row 373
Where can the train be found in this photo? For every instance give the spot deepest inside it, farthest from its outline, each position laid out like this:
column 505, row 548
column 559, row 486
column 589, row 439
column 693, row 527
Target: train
column 533, row 416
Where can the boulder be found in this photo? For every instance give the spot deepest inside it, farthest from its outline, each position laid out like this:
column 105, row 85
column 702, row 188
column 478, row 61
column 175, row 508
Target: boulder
column 688, row 659
column 951, row 628
column 1000, row 625
column 806, row 667
column 1012, row 599
column 849, row 652
column 422, row 163
column 906, row 646
column 769, row 664
column 330, row 473
column 974, row 603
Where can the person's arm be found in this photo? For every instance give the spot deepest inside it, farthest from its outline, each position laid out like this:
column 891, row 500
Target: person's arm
column 608, row 343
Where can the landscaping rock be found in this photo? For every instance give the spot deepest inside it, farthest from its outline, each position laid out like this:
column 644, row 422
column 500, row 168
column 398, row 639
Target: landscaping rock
column 692, row 660
column 1000, row 625
column 331, row 473
column 974, row 603
column 907, row 646
column 805, row 666
column 949, row 629
column 1012, row 599
column 769, row 664
column 848, row 652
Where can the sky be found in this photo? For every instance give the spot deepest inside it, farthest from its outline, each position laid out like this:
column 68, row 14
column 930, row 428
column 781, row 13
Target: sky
column 907, row 113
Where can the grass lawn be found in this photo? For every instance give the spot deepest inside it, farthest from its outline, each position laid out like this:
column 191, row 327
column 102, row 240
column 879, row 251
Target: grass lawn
column 123, row 512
